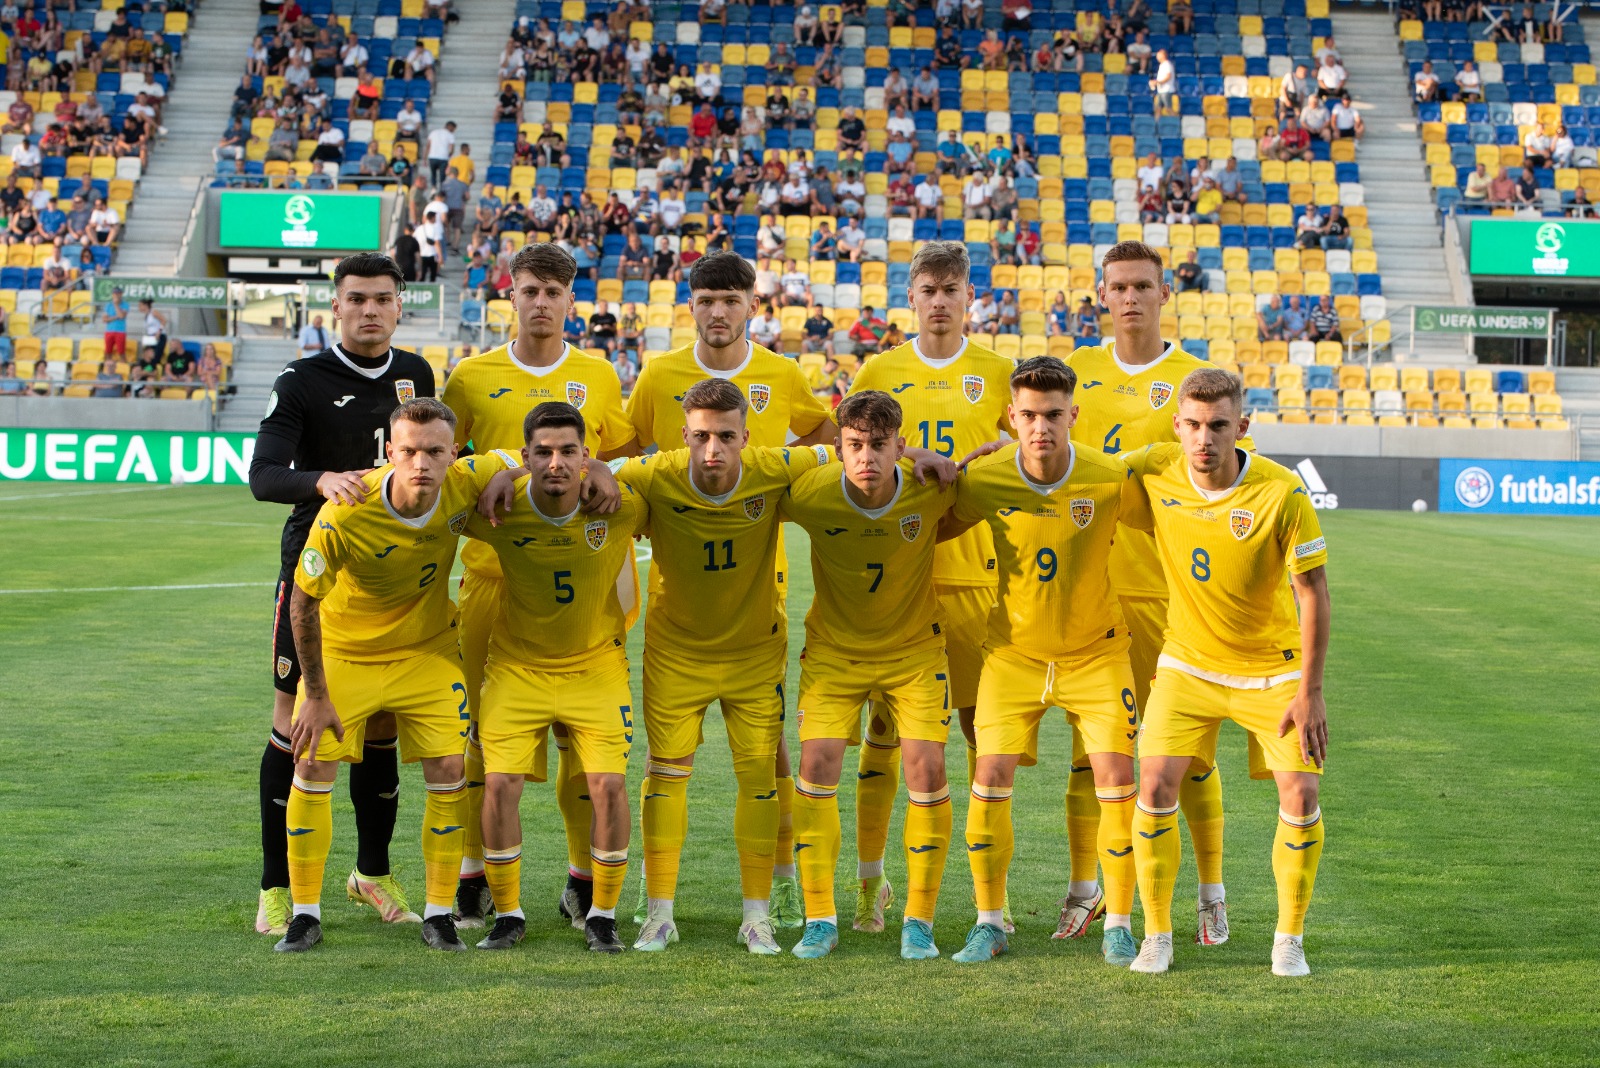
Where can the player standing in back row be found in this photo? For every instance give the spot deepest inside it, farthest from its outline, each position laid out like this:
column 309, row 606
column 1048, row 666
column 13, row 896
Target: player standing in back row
column 327, row 422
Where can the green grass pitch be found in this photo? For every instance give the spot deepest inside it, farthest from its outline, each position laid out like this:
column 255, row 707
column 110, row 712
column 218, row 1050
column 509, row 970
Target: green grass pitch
column 1453, row 924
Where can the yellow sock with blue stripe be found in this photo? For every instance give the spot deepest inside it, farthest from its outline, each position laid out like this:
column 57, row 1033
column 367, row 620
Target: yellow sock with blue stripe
column 1083, row 818
column 309, row 822
column 877, row 782
column 1296, row 851
column 757, row 823
column 577, row 811
column 503, row 870
column 1116, row 851
column 990, row 843
column 664, row 817
column 472, row 811
column 610, row 868
column 1200, row 800
column 927, row 849
column 443, row 828
column 1156, row 855
column 817, row 835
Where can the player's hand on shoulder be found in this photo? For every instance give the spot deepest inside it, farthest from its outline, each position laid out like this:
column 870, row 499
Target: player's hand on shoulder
column 316, row 714
column 981, row 451
column 1307, row 716
column 926, row 465
column 601, row 494
column 498, row 497
column 346, row 487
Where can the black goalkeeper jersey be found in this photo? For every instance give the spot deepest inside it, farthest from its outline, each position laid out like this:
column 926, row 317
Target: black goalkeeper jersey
column 326, row 415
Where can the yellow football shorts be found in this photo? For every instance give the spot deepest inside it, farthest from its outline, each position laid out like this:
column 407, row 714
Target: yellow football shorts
column 679, row 687
column 480, row 601
column 425, row 692
column 1146, row 618
column 914, row 689
column 1094, row 688
column 966, row 630
column 1185, row 713
column 520, row 704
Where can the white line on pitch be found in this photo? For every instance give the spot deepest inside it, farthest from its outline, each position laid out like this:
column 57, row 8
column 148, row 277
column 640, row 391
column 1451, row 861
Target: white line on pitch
column 131, row 589
column 153, row 522
column 85, row 493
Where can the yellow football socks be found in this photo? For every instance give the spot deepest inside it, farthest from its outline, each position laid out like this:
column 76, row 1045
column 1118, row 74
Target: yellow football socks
column 443, row 819
column 927, row 848
column 610, row 867
column 503, row 870
column 757, row 821
column 1156, row 853
column 783, row 843
column 972, row 763
column 877, row 782
column 1083, row 816
column 577, row 811
column 1116, row 847
column 1200, row 800
column 664, row 816
column 989, row 844
column 309, row 820
column 472, row 811
column 1296, row 850
column 817, row 835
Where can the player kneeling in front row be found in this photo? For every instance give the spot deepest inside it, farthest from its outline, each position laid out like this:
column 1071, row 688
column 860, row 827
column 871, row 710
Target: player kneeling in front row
column 557, row 655
column 874, row 627
column 1056, row 637
column 1226, row 524
column 372, row 593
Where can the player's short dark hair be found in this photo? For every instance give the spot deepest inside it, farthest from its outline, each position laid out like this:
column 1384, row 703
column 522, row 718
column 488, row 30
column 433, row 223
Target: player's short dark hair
column 552, row 415
column 722, row 270
column 422, row 410
column 942, row 260
column 1044, row 374
column 546, row 261
column 715, row 395
column 369, row 265
column 1127, row 251
column 870, row 411
column 1211, row 384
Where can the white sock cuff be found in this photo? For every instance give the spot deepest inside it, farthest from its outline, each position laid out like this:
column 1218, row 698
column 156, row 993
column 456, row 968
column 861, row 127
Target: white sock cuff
column 815, row 791
column 1157, row 812
column 1116, row 793
column 609, row 858
column 981, row 792
column 667, row 771
column 445, row 787
column 1301, row 822
column 928, row 800
column 502, row 856
column 310, row 786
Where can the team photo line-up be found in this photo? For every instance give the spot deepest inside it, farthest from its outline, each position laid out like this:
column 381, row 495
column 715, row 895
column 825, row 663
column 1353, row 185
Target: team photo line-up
column 988, row 540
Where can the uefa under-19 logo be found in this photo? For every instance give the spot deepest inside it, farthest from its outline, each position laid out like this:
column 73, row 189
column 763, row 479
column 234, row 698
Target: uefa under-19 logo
column 1474, row 487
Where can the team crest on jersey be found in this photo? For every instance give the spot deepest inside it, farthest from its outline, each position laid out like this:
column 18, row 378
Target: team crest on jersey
column 458, row 522
column 1160, row 393
column 911, row 526
column 972, row 386
column 577, row 393
column 595, row 533
column 760, row 396
column 283, row 667
column 754, row 506
column 1082, row 510
column 1241, row 520
column 405, row 389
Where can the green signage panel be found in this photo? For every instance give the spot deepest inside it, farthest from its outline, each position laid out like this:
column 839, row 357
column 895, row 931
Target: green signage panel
column 133, row 456
column 418, row 296
column 175, row 292
column 1536, row 248
column 1484, row 322
column 300, row 221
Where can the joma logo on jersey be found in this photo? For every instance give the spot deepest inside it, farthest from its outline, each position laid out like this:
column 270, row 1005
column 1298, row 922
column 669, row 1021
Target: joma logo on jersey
column 1082, row 511
column 1160, row 393
column 911, row 526
column 458, row 522
column 595, row 533
column 1240, row 520
column 972, row 388
column 754, row 506
column 577, row 393
column 405, row 389
column 760, row 397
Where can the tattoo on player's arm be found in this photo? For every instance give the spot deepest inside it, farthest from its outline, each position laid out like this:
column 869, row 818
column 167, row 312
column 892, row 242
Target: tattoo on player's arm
column 305, row 617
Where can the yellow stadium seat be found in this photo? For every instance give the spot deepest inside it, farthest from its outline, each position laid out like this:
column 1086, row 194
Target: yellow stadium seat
column 1542, row 383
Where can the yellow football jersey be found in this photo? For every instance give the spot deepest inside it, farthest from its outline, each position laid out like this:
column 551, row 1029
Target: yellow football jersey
column 1053, row 545
column 1122, row 407
column 781, row 402
column 492, row 394
column 563, row 605
column 385, row 580
column 1230, row 609
column 714, row 584
column 950, row 407
column 873, row 571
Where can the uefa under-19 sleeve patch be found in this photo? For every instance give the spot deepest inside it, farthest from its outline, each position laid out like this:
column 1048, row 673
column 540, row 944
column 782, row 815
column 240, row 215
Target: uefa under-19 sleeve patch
column 1310, row 548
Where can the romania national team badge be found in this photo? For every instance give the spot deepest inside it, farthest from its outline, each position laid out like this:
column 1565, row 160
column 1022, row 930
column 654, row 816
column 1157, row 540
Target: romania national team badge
column 1082, row 511
column 760, row 396
column 754, row 506
column 577, row 393
column 405, row 389
column 911, row 526
column 1160, row 393
column 283, row 667
column 458, row 522
column 595, row 533
column 1241, row 520
column 972, row 386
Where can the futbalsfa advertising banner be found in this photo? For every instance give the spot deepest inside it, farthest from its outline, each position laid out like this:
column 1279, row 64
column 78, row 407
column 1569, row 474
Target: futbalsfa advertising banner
column 129, row 456
column 1519, row 487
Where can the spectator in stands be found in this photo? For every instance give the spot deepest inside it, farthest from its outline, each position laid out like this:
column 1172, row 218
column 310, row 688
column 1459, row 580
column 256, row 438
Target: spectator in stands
column 1331, row 76
column 588, row 255
column 1294, row 90
column 1469, row 83
column 574, row 331
column 1179, row 204
column 1207, row 202
column 1347, row 121
column 868, row 331
column 1152, row 205
column 1150, row 173
column 179, row 365
column 1058, row 317
column 1316, row 120
column 407, row 251
column 818, row 331
column 1323, row 321
column 634, row 263
column 1180, row 17
column 365, row 101
column 780, row 65
column 441, row 143
column 714, row 11
column 1580, row 206
column 105, row 224
column 408, row 123
column 26, row 159
column 1087, row 319
column 1308, row 227
column 765, row 329
column 1335, row 229
column 1503, row 190
column 1165, row 84
column 947, row 51
column 930, row 200
column 330, row 144
column 976, row 193
column 1527, row 189
column 1425, row 84
column 924, row 91
column 603, row 328
column 1293, row 142
column 147, row 367
column 1536, row 147
column 1269, row 319
column 1478, row 186
column 1008, row 316
column 1294, row 320
column 896, row 92
column 794, row 285
column 1562, row 147
column 429, row 252
column 109, row 381
column 982, row 311
column 1190, row 276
